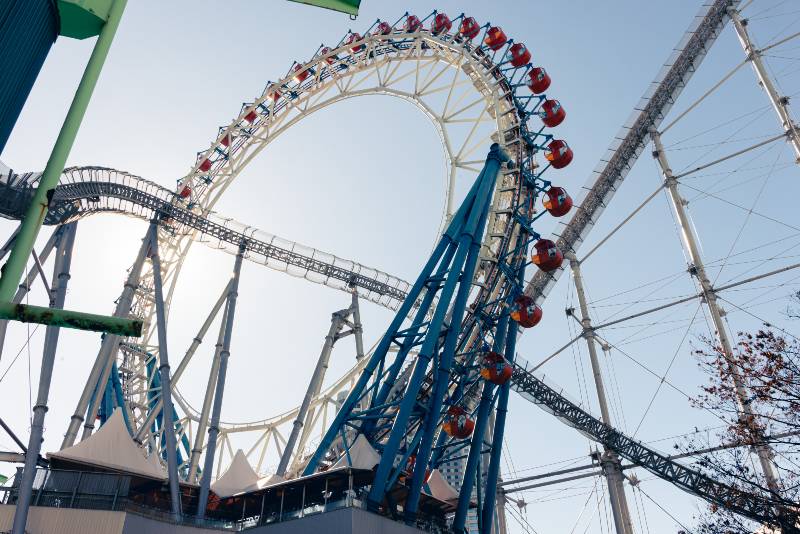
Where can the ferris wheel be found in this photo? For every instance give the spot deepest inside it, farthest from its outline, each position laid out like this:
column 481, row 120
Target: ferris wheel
column 477, row 87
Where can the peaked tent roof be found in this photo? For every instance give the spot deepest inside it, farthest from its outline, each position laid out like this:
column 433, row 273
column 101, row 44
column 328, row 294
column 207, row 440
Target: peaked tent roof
column 362, row 455
column 112, row 447
column 238, row 477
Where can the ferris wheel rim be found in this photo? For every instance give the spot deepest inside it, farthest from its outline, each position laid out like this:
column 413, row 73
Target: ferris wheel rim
column 464, row 55
column 234, row 427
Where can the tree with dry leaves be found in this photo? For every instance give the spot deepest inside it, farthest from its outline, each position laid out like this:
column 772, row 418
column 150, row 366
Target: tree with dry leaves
column 768, row 364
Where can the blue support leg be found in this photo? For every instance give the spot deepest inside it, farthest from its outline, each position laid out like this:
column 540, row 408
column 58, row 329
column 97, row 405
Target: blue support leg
column 499, row 426
column 476, row 446
column 471, row 241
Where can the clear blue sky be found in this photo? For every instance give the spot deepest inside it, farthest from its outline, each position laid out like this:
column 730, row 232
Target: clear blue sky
column 363, row 180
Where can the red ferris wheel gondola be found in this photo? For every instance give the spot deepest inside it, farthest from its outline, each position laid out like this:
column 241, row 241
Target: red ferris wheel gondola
column 559, row 154
column 552, row 113
column 251, row 116
column 495, row 368
column 412, row 24
column 495, row 38
column 457, row 423
column 539, row 80
column 441, row 24
column 301, row 75
column 383, row 28
column 526, row 312
column 469, row 28
column 520, row 55
column 411, row 463
column 354, row 37
column 557, row 202
column 274, row 94
column 546, row 255
column 329, row 60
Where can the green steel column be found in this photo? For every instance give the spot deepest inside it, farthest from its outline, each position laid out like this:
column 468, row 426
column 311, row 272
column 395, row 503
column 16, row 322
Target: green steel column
column 11, row 272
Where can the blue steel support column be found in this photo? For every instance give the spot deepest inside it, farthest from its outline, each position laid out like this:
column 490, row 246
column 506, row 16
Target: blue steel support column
column 213, row 427
column 58, row 290
column 470, row 243
column 473, row 216
column 377, row 356
column 407, row 345
column 440, row 256
column 476, row 445
column 166, row 389
column 500, row 421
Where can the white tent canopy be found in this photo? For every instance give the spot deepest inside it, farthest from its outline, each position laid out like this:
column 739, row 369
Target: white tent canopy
column 112, row 447
column 267, row 481
column 239, row 477
column 362, row 455
column 439, row 488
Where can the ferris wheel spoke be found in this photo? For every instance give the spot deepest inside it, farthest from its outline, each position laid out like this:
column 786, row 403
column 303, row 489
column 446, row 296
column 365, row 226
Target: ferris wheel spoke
column 481, row 143
column 480, row 100
column 405, row 76
column 388, row 78
column 317, row 96
column 476, row 123
column 481, row 119
column 475, row 170
column 441, row 89
column 366, row 77
column 431, row 78
column 465, row 164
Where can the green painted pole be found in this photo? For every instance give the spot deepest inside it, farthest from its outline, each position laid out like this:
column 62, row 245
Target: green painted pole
column 11, row 272
column 121, row 326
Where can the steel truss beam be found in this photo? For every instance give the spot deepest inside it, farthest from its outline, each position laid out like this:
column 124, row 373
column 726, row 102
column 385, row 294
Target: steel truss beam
column 755, row 507
column 147, row 200
column 635, row 135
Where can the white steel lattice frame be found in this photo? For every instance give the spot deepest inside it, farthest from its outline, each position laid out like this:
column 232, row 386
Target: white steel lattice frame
column 475, row 107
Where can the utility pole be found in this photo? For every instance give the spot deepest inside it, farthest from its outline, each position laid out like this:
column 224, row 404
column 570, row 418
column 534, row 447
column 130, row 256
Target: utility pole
column 698, row 270
column 609, row 461
column 167, row 411
column 338, row 321
column 213, row 427
column 779, row 103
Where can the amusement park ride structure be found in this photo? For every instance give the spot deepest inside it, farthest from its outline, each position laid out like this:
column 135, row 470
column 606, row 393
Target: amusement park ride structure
column 435, row 389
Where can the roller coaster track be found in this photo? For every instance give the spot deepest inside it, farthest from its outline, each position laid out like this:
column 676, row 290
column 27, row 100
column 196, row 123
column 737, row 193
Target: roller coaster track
column 690, row 480
column 629, row 143
column 89, row 190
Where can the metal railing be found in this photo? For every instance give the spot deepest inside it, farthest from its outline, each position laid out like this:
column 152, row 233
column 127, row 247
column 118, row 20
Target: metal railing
column 54, row 488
